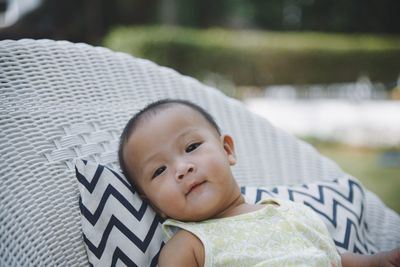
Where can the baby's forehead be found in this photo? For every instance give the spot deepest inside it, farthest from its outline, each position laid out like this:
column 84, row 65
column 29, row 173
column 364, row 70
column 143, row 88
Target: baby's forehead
column 159, row 109
column 177, row 121
column 186, row 110
column 160, row 122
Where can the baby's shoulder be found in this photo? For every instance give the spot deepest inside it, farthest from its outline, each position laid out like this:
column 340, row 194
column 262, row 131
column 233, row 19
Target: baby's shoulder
column 183, row 249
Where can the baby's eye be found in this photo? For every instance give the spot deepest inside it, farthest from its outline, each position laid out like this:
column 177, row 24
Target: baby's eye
column 192, row 147
column 159, row 171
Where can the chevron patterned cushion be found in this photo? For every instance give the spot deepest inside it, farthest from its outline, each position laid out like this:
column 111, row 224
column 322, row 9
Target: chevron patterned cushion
column 118, row 227
column 340, row 204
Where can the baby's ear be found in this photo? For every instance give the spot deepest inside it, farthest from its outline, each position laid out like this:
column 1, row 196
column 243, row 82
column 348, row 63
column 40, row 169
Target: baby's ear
column 229, row 148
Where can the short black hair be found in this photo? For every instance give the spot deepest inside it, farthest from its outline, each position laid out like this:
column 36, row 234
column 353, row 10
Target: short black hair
column 152, row 108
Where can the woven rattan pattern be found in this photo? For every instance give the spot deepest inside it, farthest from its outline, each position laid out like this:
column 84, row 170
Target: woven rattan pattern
column 61, row 101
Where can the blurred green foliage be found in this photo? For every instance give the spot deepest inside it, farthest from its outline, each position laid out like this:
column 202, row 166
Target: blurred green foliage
column 88, row 21
column 249, row 57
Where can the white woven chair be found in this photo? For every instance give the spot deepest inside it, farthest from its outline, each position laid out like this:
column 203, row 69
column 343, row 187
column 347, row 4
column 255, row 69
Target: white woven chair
column 61, row 101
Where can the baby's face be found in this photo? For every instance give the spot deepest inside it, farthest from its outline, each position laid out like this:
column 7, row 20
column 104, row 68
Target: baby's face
column 182, row 165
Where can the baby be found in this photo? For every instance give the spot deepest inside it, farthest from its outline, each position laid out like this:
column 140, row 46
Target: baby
column 180, row 162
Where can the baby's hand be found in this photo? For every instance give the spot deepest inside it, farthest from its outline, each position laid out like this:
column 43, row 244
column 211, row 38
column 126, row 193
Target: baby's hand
column 389, row 258
column 381, row 259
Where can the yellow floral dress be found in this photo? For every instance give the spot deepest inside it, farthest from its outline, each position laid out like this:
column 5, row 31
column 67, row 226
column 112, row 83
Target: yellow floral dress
column 282, row 233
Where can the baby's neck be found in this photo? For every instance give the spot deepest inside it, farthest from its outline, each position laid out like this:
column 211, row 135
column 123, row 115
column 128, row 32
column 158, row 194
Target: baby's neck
column 239, row 206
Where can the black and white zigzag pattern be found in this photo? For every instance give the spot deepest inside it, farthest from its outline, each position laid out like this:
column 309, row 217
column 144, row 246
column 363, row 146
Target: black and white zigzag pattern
column 339, row 203
column 118, row 227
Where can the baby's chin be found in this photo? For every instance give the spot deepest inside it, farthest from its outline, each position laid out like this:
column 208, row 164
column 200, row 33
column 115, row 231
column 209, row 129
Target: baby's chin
column 202, row 203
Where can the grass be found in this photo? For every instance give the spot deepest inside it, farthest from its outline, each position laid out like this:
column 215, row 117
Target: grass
column 367, row 165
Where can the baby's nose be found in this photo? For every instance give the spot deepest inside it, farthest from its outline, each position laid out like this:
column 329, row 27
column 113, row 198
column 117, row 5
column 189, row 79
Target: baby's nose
column 184, row 169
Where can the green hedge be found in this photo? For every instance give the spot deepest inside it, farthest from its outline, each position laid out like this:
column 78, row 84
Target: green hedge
column 260, row 58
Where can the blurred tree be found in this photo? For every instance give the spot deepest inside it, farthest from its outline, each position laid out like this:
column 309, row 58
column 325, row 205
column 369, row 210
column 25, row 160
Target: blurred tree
column 376, row 16
column 240, row 14
column 89, row 20
column 205, row 13
column 80, row 21
column 168, row 12
column 3, row 5
column 373, row 16
column 268, row 14
column 132, row 11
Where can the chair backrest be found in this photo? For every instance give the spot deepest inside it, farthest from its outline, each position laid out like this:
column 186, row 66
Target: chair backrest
column 62, row 101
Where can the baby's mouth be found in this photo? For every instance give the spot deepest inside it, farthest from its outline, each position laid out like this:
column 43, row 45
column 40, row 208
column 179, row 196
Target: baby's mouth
column 194, row 186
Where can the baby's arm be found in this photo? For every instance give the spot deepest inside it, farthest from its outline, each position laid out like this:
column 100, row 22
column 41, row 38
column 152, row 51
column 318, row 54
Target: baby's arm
column 183, row 249
column 382, row 259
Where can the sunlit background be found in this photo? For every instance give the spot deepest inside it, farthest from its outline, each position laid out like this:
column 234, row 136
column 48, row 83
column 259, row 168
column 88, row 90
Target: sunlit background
column 327, row 71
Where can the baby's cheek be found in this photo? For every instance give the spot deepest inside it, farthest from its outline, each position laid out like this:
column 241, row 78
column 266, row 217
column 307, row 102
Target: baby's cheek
column 167, row 196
